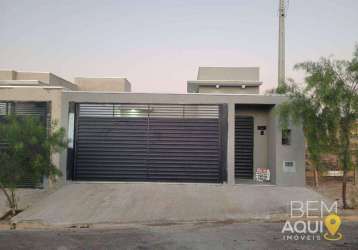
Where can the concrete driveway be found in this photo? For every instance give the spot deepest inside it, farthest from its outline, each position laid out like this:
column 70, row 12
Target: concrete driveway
column 87, row 203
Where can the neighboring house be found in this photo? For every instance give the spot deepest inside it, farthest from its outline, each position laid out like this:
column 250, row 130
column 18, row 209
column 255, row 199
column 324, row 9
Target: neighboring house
column 226, row 80
column 221, row 131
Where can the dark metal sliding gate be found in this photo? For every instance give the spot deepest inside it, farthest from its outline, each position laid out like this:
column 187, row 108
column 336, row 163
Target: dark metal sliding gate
column 126, row 142
column 3, row 112
column 244, row 147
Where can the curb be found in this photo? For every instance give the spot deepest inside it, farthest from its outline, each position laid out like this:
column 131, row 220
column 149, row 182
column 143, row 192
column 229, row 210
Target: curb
column 39, row 225
column 24, row 225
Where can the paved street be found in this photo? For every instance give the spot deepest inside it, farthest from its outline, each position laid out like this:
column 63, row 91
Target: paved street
column 198, row 236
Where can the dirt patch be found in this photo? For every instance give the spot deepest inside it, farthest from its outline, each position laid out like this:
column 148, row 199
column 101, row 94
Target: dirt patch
column 25, row 197
column 332, row 188
column 5, row 220
column 8, row 215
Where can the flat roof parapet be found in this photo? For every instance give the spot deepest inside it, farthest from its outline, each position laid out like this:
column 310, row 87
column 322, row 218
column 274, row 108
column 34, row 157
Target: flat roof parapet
column 116, row 84
column 12, row 77
column 229, row 73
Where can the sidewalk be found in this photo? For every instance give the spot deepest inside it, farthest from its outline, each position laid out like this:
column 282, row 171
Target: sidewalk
column 26, row 197
column 123, row 203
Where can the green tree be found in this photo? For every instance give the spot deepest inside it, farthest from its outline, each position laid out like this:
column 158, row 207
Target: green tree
column 301, row 109
column 327, row 107
column 27, row 153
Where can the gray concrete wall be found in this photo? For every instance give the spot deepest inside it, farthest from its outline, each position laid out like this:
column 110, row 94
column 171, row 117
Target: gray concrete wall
column 279, row 153
column 276, row 153
column 41, row 77
column 54, row 95
column 226, row 80
column 274, row 156
column 229, row 90
column 229, row 73
column 7, row 75
column 272, row 141
column 103, row 84
column 22, row 83
column 55, row 80
column 230, row 160
column 294, row 152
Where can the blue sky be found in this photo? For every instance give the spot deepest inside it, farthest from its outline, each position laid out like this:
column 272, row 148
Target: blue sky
column 158, row 45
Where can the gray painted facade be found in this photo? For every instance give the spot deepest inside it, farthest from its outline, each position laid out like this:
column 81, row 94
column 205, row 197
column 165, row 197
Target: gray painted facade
column 268, row 149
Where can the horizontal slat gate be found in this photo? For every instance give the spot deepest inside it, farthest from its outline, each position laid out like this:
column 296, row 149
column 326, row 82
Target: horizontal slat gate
column 3, row 113
column 39, row 110
column 110, row 148
column 2, row 142
column 174, row 143
column 184, row 150
column 244, row 143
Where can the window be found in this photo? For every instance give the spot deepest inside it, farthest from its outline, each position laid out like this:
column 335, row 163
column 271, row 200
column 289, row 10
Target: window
column 286, row 136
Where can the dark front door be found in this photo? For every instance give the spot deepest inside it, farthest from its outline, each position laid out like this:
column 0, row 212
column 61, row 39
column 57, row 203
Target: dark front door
column 244, row 145
column 126, row 142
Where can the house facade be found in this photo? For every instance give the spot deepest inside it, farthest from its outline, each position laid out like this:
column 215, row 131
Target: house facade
column 222, row 131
